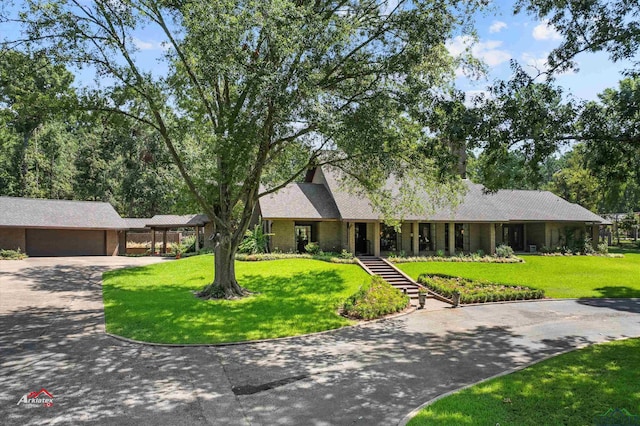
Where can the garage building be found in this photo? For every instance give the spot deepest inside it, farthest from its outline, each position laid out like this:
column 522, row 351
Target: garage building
column 59, row 227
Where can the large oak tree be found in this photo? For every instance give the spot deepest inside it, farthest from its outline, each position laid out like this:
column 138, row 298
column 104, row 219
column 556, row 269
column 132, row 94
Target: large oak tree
column 257, row 91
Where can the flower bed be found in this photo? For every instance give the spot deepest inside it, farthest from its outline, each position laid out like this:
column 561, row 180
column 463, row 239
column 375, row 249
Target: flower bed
column 477, row 291
column 327, row 257
column 465, row 258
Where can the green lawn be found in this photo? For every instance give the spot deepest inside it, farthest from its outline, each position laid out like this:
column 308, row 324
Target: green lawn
column 156, row 303
column 571, row 389
column 559, row 277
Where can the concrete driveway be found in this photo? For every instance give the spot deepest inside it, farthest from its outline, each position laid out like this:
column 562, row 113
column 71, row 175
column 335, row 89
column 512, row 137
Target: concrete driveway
column 51, row 336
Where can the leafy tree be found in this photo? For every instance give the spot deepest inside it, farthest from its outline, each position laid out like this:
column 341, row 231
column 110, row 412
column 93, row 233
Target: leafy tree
column 260, row 90
column 33, row 91
column 575, row 183
column 611, row 129
column 589, row 26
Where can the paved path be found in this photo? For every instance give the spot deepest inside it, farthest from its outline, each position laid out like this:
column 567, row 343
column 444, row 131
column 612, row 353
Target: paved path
column 51, row 336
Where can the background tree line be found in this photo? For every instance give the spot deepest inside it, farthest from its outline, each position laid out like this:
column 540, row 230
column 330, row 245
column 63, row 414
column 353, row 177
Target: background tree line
column 54, row 145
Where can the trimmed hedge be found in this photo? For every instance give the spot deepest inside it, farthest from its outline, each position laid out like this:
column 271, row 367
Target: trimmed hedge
column 463, row 258
column 374, row 300
column 326, row 257
column 477, row 291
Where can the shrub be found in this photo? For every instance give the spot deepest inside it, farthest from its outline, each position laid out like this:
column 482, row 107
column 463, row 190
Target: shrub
column 440, row 253
column 12, row 254
column 603, row 248
column 587, row 247
column 326, row 257
column 312, row 248
column 504, row 251
column 374, row 300
column 344, row 254
column 477, row 291
column 255, row 241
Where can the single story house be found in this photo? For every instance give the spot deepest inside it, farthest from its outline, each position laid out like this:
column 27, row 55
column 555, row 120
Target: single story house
column 59, row 227
column 319, row 210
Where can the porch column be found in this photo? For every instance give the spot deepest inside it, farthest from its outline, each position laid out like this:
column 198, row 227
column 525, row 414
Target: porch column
column 547, row 235
column 153, row 241
column 351, row 237
column 452, row 239
column 376, row 238
column 525, row 243
column 197, row 238
column 164, row 240
column 492, row 238
column 416, row 241
column 595, row 235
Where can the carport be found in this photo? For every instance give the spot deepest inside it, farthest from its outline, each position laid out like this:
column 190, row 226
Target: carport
column 164, row 223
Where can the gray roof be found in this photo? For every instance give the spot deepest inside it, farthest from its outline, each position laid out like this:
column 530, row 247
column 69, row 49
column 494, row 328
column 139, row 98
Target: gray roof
column 300, row 201
column 136, row 223
column 58, row 214
column 476, row 206
column 177, row 221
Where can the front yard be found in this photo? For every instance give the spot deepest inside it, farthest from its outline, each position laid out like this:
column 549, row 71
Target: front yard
column 577, row 388
column 559, row 277
column 296, row 296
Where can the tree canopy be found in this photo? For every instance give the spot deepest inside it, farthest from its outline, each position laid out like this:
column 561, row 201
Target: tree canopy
column 258, row 91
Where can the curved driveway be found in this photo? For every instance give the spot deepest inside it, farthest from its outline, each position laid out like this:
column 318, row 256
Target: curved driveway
column 52, row 337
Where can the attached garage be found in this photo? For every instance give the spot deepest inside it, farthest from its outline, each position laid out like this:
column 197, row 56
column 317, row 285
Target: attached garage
column 64, row 242
column 59, row 227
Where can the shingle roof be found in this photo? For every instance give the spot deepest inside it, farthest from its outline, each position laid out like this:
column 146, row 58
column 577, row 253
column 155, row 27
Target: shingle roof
column 177, row 221
column 56, row 214
column 476, row 206
column 136, row 223
column 300, row 201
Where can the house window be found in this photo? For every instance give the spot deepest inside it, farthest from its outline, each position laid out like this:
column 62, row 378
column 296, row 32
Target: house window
column 388, row 238
column 425, row 242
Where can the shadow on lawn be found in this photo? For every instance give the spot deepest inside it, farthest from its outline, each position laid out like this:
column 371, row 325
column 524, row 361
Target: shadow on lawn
column 366, row 375
column 280, row 306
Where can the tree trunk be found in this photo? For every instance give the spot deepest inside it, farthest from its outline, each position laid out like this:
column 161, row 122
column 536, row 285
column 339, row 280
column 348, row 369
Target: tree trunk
column 224, row 284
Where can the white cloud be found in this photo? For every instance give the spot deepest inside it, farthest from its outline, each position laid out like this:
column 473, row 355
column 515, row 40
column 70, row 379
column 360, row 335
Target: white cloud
column 489, row 51
column 537, row 64
column 544, row 31
column 497, row 26
column 149, row 45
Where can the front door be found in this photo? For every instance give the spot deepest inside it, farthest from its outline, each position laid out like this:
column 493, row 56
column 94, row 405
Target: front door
column 361, row 239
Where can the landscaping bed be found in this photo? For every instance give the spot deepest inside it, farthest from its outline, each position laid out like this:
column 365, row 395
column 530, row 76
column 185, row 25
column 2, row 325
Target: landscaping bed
column 477, row 291
column 558, row 276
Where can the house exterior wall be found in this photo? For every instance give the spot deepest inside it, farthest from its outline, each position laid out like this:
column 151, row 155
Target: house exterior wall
column 329, row 236
column 475, row 236
column 13, row 239
column 113, row 242
column 405, row 238
column 283, row 238
column 440, row 243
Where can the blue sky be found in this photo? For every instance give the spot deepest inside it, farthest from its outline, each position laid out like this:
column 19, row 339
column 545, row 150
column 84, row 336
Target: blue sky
column 502, row 37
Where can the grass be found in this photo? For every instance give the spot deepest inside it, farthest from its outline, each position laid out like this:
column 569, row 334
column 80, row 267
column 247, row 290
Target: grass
column 558, row 276
column 156, row 303
column 571, row 389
